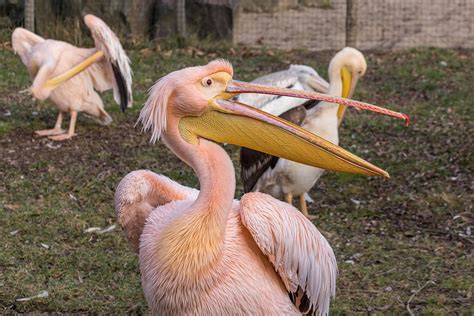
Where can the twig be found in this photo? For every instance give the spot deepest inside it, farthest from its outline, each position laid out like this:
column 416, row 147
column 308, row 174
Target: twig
column 25, row 91
column 414, row 294
column 98, row 230
column 42, row 294
column 465, row 237
column 385, row 272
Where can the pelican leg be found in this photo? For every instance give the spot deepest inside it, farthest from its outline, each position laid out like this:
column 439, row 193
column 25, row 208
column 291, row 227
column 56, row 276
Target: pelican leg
column 54, row 131
column 304, row 208
column 70, row 133
column 289, row 198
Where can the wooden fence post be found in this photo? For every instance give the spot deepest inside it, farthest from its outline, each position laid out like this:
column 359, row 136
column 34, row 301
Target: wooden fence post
column 30, row 15
column 351, row 23
column 181, row 17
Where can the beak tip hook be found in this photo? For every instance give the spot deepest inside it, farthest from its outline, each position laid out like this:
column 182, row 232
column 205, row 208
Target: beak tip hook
column 407, row 119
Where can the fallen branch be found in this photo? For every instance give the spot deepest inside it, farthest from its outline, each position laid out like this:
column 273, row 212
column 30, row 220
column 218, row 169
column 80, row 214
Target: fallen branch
column 415, row 293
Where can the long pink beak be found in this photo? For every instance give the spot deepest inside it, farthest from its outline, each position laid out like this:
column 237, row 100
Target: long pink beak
column 235, row 86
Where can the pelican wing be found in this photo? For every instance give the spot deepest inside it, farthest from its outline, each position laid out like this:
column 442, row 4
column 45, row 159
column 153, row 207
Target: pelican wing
column 299, row 77
column 254, row 163
column 299, row 253
column 23, row 42
column 252, row 166
column 115, row 72
column 279, row 79
column 138, row 194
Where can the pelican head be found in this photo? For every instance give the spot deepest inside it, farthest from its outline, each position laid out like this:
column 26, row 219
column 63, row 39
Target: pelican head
column 197, row 103
column 347, row 66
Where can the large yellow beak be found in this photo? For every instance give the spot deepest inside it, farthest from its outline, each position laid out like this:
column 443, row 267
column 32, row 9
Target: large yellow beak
column 348, row 86
column 226, row 121
column 58, row 80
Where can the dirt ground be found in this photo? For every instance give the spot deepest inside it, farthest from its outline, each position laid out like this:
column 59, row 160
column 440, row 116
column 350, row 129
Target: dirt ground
column 402, row 244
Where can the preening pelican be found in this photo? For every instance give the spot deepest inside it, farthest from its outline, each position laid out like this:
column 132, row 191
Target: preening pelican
column 204, row 253
column 283, row 178
column 299, row 77
column 69, row 75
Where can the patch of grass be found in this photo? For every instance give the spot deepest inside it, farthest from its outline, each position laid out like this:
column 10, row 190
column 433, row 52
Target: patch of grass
column 5, row 128
column 390, row 236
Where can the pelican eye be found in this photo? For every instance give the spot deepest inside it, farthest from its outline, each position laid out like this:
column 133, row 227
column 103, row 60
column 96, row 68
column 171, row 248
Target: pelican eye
column 207, row 82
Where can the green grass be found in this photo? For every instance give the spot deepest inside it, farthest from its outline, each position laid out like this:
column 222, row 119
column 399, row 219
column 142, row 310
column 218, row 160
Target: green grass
column 400, row 234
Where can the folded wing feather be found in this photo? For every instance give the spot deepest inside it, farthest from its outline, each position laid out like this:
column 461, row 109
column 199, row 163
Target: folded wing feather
column 299, row 253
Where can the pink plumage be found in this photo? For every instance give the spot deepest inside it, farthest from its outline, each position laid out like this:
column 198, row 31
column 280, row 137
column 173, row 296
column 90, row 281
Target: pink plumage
column 204, row 253
column 47, row 59
column 266, row 249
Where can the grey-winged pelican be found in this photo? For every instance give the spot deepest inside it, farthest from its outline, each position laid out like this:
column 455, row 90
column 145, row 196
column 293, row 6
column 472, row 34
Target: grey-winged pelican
column 282, row 178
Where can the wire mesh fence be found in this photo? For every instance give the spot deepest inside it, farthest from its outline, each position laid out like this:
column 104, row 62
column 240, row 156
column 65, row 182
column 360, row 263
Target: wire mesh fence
column 412, row 23
column 294, row 24
column 366, row 24
column 284, row 24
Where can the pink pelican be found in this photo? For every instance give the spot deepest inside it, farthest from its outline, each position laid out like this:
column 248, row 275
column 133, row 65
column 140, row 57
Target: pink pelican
column 70, row 76
column 203, row 252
